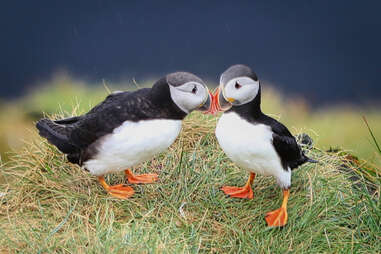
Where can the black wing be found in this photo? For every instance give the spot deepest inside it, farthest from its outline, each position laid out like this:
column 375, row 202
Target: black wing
column 102, row 119
column 286, row 146
column 71, row 134
column 111, row 99
column 107, row 116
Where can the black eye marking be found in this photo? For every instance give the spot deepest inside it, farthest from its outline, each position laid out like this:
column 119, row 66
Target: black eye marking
column 194, row 90
column 237, row 85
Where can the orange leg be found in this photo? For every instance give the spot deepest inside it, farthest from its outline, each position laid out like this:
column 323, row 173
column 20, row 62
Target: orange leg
column 241, row 192
column 118, row 191
column 278, row 218
column 144, row 178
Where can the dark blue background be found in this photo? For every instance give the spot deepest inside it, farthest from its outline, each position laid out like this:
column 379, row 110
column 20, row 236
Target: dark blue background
column 327, row 51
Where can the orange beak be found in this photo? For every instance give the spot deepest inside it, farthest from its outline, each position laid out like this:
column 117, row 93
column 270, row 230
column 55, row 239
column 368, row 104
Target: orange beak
column 215, row 106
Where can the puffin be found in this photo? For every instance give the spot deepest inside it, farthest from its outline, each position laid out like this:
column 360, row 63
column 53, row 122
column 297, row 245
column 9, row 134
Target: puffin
column 252, row 140
column 128, row 128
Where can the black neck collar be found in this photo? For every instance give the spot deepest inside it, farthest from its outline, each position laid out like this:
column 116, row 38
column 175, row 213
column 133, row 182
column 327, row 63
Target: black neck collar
column 161, row 97
column 251, row 110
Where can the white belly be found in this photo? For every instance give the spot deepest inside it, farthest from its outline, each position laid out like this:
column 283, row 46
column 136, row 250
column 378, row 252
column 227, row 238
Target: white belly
column 250, row 147
column 131, row 144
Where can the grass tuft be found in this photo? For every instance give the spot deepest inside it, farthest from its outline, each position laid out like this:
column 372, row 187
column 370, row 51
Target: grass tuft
column 50, row 205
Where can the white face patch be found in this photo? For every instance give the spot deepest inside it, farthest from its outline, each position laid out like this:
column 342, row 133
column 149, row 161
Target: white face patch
column 241, row 89
column 189, row 96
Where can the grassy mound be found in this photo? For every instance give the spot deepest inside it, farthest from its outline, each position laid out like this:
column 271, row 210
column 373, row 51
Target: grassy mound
column 50, row 205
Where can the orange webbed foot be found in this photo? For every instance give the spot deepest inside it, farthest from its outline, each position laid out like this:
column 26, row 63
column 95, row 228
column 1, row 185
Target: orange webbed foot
column 238, row 192
column 119, row 191
column 144, row 178
column 241, row 192
column 277, row 218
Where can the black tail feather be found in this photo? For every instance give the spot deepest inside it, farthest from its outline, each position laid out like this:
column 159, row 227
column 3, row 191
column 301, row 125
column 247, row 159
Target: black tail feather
column 305, row 140
column 56, row 134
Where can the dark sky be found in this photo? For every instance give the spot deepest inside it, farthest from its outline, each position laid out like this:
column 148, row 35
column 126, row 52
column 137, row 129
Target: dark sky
column 327, row 51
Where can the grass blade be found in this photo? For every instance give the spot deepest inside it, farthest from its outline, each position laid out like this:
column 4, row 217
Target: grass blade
column 371, row 133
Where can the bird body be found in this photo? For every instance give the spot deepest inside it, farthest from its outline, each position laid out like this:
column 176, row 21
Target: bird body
column 128, row 128
column 250, row 147
column 253, row 140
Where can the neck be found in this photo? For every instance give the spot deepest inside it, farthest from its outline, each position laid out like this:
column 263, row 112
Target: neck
column 251, row 109
column 161, row 98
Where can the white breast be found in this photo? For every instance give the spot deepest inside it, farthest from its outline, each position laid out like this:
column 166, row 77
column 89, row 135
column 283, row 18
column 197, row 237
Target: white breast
column 131, row 144
column 250, row 147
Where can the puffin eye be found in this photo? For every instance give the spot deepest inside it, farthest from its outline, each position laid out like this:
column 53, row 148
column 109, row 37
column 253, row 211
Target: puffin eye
column 194, row 90
column 237, row 85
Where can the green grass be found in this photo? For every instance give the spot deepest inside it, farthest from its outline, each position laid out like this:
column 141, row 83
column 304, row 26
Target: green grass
column 52, row 206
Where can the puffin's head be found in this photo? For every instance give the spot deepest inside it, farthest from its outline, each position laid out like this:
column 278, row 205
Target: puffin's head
column 238, row 85
column 188, row 92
